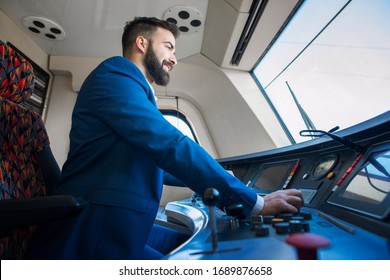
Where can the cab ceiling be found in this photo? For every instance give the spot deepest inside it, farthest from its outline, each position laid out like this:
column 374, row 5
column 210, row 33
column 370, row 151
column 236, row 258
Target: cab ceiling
column 93, row 28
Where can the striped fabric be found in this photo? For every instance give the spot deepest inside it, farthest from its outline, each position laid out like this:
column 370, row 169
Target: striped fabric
column 22, row 134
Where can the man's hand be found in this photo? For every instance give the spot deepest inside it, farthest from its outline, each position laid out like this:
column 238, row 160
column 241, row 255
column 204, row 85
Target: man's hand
column 286, row 201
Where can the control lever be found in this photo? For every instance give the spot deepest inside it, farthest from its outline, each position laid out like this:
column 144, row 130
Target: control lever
column 211, row 198
column 234, row 211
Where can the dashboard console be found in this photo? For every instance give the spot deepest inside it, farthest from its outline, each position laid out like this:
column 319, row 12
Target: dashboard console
column 346, row 192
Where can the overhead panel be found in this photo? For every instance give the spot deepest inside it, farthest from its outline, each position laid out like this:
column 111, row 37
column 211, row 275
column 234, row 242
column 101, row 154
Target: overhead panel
column 232, row 22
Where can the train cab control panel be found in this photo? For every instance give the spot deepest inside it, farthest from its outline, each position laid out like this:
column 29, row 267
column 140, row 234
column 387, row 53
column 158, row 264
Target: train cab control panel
column 345, row 180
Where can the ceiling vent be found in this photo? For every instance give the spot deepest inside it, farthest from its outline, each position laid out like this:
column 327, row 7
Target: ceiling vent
column 44, row 28
column 255, row 13
column 188, row 20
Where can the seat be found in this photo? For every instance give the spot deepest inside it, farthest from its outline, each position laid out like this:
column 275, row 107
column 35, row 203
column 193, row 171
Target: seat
column 28, row 169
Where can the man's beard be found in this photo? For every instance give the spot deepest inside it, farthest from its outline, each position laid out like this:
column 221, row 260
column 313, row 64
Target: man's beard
column 155, row 69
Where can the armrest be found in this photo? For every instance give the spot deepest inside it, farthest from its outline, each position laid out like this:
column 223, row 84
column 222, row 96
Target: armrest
column 23, row 212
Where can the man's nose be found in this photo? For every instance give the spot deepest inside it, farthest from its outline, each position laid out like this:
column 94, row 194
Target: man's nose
column 173, row 60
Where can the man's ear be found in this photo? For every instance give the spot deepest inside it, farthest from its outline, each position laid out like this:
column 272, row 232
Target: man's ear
column 141, row 43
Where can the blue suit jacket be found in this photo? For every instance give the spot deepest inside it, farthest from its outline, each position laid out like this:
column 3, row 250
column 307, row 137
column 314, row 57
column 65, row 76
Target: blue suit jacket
column 120, row 147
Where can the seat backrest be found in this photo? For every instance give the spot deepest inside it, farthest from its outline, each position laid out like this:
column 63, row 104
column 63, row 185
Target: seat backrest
column 24, row 145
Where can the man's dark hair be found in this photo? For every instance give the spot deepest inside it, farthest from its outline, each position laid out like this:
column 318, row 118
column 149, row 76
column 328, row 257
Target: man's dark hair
column 145, row 26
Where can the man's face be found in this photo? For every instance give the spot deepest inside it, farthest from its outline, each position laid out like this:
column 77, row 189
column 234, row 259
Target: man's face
column 160, row 56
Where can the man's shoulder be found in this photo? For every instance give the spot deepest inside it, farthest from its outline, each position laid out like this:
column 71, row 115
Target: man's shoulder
column 115, row 71
column 118, row 61
column 119, row 64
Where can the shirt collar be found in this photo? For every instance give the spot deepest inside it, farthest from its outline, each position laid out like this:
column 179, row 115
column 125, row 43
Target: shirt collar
column 154, row 94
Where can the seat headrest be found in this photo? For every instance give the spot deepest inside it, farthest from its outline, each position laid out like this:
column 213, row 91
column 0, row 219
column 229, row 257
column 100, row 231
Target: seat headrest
column 16, row 75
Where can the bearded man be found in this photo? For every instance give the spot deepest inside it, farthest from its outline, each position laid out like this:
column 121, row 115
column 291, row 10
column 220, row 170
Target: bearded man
column 122, row 151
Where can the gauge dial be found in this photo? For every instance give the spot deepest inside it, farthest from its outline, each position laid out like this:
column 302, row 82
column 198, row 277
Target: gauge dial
column 324, row 166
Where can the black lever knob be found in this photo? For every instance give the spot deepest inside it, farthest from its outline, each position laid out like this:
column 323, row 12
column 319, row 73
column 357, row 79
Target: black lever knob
column 211, row 198
column 234, row 210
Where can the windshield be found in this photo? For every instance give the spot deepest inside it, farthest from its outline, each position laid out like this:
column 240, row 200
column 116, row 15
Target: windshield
column 330, row 66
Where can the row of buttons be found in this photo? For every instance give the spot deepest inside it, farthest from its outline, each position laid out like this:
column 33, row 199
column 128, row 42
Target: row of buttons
column 282, row 223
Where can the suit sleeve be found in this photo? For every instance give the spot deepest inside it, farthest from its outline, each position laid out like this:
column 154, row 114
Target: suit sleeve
column 172, row 180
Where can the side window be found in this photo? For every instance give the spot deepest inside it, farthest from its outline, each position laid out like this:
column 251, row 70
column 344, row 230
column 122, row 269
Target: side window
column 180, row 121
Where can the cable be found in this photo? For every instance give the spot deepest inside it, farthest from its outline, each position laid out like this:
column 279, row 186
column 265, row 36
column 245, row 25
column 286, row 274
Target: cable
column 304, row 49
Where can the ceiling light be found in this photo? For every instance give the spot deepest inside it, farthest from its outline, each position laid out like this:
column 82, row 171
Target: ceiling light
column 188, row 20
column 44, row 28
